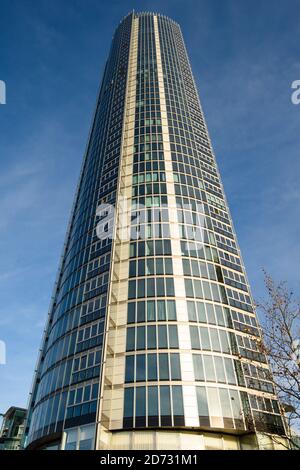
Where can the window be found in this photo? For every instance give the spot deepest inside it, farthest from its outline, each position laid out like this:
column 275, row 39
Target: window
column 215, row 343
column 229, row 371
column 171, row 307
column 191, row 311
column 198, row 367
column 71, row 441
column 140, row 410
column 140, row 338
column 128, row 407
column 220, row 373
column 163, row 367
column 152, row 406
column 201, row 312
column 175, row 367
column 130, row 342
column 140, row 312
column 151, row 310
column 151, row 337
column 195, row 342
column 80, row 438
column 86, row 438
column 161, row 310
column 140, row 368
column 205, row 342
column 210, row 314
column 173, row 337
column 209, row 368
column 165, row 406
column 178, row 413
column 162, row 337
column 152, row 366
column 202, row 406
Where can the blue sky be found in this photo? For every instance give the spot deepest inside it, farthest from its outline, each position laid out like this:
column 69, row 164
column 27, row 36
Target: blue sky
column 244, row 54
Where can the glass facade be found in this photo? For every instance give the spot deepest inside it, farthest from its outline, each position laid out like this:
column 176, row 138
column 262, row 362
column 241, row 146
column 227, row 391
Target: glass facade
column 156, row 331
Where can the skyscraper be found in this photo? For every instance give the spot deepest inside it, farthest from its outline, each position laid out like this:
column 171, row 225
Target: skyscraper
column 152, row 341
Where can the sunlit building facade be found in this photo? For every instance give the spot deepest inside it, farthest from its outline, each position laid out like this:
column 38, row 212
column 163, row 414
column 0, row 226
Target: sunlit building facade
column 152, row 340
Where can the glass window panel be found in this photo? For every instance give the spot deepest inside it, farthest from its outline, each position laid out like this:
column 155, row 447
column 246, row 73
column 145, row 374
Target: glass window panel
column 161, row 310
column 62, row 407
column 191, row 311
column 206, row 289
column 201, row 312
column 87, row 393
column 215, row 343
column 186, row 267
column 71, row 397
column 150, row 266
column 151, row 337
column 87, row 432
column 129, row 370
column 140, row 312
column 95, row 390
column 219, row 315
column 220, row 372
column 140, row 368
column 141, row 288
column 204, row 272
column 153, row 401
column 236, row 405
column 168, row 266
column 198, row 367
column 195, row 268
column 215, row 293
column 151, row 287
column 173, row 337
column 131, row 290
column 198, row 289
column 160, row 285
column 175, row 367
column 225, row 403
column 128, row 402
column 214, row 402
column 224, row 341
column 229, row 371
column 79, row 395
column 132, row 269
column 170, row 287
column 189, row 288
column 211, row 271
column 140, row 401
column 165, row 405
column 202, row 401
column 162, row 337
column 131, row 312
column 171, row 306
column 195, row 342
column 163, row 367
column 177, row 401
column 209, row 368
column 91, row 359
column 151, row 310
column 152, row 366
column 159, row 266
column 210, row 314
column 71, row 441
column 205, row 342
column 140, row 338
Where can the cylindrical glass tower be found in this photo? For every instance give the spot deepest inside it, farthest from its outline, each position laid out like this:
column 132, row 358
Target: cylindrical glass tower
column 152, row 341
